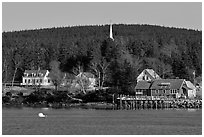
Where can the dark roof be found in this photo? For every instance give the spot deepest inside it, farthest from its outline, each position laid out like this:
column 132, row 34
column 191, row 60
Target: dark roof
column 143, row 85
column 36, row 71
column 167, row 84
column 160, row 84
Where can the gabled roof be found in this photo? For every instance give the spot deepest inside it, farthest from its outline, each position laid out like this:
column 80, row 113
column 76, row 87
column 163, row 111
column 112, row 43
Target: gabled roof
column 143, row 85
column 36, row 72
column 167, row 84
column 152, row 73
column 190, row 85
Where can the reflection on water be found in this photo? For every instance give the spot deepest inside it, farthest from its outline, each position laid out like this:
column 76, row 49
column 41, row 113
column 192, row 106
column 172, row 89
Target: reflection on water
column 100, row 122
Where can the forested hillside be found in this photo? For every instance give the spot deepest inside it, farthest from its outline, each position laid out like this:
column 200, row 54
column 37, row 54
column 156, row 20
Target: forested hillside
column 171, row 52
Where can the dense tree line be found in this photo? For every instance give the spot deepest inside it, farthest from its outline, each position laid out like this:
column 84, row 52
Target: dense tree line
column 171, row 52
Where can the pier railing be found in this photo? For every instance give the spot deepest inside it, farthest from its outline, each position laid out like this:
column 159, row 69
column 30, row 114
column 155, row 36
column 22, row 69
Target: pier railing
column 127, row 97
column 155, row 102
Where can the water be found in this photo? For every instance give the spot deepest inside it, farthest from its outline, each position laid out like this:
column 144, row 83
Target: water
column 25, row 121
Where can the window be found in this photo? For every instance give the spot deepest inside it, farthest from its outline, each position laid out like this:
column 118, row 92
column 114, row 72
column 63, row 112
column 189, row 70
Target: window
column 48, row 80
column 40, row 80
column 164, row 91
column 173, row 91
column 157, row 91
column 25, row 81
column 28, row 80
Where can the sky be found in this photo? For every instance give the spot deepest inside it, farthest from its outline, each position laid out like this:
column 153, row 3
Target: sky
column 35, row 15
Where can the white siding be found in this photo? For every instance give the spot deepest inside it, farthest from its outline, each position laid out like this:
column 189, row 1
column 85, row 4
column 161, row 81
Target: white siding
column 36, row 80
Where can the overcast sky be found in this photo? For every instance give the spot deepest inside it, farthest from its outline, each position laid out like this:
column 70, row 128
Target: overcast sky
column 21, row 16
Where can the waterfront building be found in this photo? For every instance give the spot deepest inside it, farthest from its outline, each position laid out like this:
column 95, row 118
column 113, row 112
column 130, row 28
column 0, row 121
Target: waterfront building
column 148, row 75
column 170, row 88
column 36, row 77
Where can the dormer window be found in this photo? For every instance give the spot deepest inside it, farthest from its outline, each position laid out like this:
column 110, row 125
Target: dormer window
column 164, row 85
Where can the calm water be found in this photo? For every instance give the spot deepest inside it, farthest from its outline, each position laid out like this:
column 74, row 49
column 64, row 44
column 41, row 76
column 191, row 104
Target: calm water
column 97, row 122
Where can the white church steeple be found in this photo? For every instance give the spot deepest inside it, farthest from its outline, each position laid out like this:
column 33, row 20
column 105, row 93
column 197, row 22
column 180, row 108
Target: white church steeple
column 111, row 31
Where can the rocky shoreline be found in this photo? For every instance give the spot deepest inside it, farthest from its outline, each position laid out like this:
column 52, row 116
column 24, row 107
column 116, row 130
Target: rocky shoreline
column 98, row 105
column 177, row 104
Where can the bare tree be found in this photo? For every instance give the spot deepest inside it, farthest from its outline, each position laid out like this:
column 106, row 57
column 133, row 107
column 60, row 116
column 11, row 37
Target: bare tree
column 104, row 67
column 95, row 68
column 78, row 71
column 100, row 69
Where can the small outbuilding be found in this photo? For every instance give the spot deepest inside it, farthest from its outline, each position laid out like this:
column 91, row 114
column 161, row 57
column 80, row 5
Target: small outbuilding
column 191, row 92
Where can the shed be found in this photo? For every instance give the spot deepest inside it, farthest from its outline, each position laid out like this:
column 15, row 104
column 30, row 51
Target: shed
column 191, row 92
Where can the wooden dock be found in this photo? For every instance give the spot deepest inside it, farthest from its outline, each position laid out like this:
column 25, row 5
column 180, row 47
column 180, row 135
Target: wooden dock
column 150, row 102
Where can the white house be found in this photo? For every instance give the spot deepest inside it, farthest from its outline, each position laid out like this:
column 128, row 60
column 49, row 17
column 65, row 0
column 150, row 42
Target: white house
column 191, row 89
column 36, row 77
column 89, row 80
column 148, row 75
